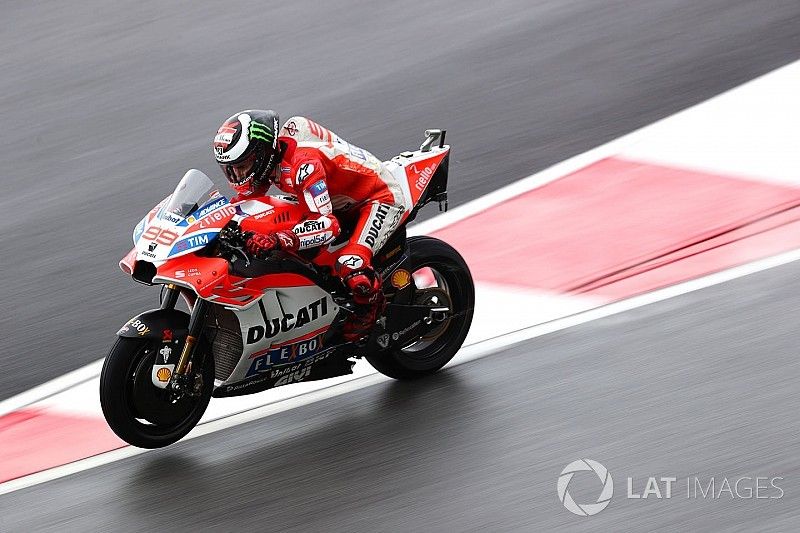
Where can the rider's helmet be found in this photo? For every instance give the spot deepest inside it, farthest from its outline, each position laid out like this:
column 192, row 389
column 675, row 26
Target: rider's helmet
column 246, row 147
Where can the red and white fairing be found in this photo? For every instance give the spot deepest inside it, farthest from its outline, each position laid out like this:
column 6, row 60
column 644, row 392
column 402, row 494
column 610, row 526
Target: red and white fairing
column 414, row 170
column 281, row 316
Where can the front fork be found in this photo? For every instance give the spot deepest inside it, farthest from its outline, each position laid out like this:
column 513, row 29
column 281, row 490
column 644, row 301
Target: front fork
column 180, row 382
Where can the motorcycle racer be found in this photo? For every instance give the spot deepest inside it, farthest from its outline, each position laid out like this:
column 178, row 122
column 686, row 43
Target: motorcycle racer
column 336, row 183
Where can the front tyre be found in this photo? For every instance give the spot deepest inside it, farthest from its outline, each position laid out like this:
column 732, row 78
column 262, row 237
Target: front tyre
column 140, row 413
column 441, row 277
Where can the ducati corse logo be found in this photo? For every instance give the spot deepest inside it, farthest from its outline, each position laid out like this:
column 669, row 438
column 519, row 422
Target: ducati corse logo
column 289, row 321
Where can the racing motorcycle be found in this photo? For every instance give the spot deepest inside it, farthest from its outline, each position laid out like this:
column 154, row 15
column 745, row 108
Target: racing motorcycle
column 255, row 324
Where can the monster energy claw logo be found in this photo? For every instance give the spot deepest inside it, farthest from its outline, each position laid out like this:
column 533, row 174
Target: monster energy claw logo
column 261, row 132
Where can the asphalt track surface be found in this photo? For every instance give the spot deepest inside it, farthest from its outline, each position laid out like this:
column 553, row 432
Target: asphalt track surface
column 104, row 106
column 704, row 385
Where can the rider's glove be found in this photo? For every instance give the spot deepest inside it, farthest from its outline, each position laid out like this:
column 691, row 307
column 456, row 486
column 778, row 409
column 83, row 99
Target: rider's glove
column 288, row 240
column 260, row 244
column 365, row 287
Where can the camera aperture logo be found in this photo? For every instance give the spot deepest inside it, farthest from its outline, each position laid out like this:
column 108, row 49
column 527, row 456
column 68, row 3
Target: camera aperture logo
column 585, row 509
column 697, row 487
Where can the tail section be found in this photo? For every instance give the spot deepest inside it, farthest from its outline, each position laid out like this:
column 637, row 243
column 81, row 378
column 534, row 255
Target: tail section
column 423, row 173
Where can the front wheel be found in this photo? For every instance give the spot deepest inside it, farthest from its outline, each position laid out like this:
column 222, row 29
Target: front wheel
column 140, row 413
column 441, row 277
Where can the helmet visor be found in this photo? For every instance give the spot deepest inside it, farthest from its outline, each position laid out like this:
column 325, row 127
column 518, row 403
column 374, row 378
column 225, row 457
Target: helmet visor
column 239, row 172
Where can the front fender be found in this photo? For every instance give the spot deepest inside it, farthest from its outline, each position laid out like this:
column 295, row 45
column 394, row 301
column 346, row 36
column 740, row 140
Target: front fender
column 163, row 324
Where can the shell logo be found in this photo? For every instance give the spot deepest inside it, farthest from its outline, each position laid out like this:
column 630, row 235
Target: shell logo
column 163, row 374
column 401, row 279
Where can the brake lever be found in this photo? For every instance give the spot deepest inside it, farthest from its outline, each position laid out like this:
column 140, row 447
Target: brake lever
column 231, row 252
column 243, row 254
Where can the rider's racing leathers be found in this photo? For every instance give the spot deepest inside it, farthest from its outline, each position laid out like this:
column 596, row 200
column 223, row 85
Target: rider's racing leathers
column 338, row 183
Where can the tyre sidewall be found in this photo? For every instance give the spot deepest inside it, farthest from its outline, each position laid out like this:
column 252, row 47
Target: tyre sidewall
column 124, row 356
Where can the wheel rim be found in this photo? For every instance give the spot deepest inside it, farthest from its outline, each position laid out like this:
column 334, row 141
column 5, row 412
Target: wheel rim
column 150, row 406
column 430, row 288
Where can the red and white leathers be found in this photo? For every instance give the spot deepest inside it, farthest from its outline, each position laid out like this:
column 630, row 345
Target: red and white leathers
column 338, row 183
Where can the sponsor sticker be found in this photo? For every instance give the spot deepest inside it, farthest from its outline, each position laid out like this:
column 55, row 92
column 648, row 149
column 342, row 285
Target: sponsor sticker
column 401, row 279
column 322, row 199
column 138, row 326
column 225, row 135
column 171, row 217
column 357, row 152
column 311, row 226
column 165, row 352
column 309, row 241
column 217, row 216
column 423, row 176
column 286, row 370
column 351, row 261
column 195, row 241
column 191, row 272
column 294, row 377
column 383, row 340
column 224, row 138
column 288, row 322
column 284, row 354
column 374, row 226
column 161, row 374
column 397, row 334
column 318, row 188
column 210, row 207
column 303, row 172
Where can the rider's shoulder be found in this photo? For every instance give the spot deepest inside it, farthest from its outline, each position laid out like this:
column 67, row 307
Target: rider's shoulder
column 303, row 129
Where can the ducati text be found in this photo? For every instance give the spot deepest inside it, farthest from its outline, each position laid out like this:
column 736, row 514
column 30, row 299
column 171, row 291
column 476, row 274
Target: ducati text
column 288, row 322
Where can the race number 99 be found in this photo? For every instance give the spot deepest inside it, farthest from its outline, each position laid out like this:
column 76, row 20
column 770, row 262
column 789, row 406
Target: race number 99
column 160, row 236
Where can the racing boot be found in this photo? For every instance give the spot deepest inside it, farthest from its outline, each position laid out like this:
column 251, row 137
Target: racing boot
column 369, row 301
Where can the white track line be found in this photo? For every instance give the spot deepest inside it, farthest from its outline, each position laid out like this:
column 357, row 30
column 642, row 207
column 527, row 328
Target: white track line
column 470, row 353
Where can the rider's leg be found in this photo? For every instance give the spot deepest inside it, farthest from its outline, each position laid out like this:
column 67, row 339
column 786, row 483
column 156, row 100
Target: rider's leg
column 375, row 224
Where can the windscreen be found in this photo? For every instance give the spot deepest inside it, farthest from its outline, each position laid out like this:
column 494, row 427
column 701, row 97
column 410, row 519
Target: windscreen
column 187, row 196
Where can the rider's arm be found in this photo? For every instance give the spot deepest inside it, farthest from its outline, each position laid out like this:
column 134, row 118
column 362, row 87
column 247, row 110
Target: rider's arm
column 318, row 225
column 311, row 186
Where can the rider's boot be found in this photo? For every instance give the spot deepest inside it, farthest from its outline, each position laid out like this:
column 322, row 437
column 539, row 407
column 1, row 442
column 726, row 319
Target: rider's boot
column 369, row 302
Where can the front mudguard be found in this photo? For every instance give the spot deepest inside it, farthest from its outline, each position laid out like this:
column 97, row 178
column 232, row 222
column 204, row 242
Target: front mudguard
column 167, row 325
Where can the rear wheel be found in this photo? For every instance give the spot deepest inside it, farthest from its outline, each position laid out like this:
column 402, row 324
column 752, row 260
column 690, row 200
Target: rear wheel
column 140, row 413
column 441, row 279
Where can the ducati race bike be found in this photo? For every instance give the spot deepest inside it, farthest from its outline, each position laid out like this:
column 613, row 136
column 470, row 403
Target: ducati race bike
column 255, row 324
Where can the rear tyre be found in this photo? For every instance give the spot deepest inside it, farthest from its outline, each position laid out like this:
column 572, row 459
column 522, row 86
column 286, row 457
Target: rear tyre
column 441, row 277
column 140, row 413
